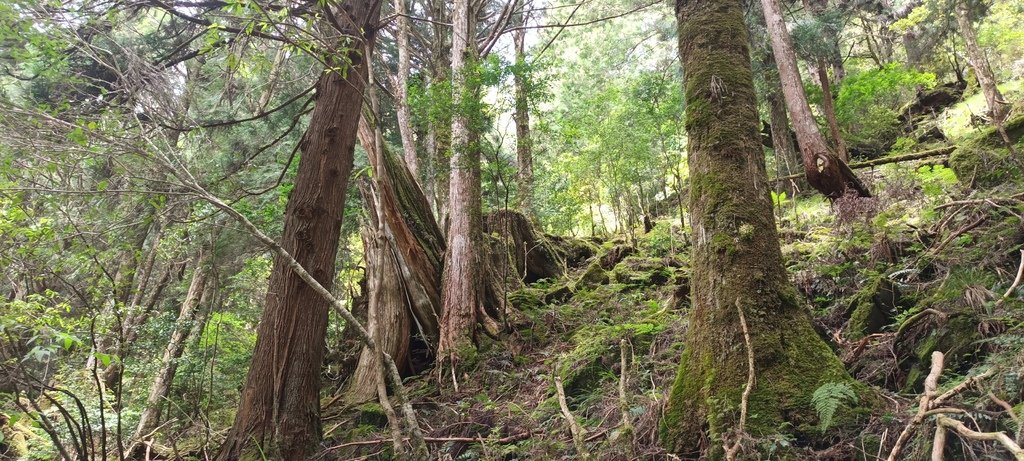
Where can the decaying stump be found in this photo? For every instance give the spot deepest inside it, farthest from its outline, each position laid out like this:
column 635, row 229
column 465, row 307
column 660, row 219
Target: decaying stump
column 533, row 256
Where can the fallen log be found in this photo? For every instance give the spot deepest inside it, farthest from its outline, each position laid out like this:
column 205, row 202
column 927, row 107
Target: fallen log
column 946, row 150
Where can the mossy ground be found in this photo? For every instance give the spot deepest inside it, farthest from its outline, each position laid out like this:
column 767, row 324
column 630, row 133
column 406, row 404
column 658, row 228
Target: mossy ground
column 956, row 260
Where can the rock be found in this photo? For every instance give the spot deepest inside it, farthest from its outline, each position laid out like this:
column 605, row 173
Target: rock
column 558, row 295
column 615, row 255
column 872, row 308
column 593, row 276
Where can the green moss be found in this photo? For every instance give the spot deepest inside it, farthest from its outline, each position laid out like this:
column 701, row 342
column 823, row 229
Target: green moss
column 872, row 308
column 593, row 276
column 983, row 160
column 637, row 271
column 957, row 339
column 526, row 299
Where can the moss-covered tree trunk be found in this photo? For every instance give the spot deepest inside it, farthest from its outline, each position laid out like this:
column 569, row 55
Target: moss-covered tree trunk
column 737, row 264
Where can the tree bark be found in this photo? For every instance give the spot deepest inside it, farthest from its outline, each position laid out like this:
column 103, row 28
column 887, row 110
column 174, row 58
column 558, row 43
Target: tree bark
column 737, row 264
column 460, row 283
column 829, row 108
column 524, row 144
column 402, row 90
column 387, row 318
column 161, row 387
column 825, row 171
column 998, row 106
column 279, row 412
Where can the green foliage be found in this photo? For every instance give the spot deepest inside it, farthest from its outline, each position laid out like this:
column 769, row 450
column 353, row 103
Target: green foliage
column 828, row 398
column 868, row 103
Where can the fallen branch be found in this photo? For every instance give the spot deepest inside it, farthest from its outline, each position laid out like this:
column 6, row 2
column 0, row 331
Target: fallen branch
column 916, row 317
column 929, row 402
column 930, row 385
column 967, row 433
column 577, row 430
column 574, row 426
column 1016, row 281
column 882, row 161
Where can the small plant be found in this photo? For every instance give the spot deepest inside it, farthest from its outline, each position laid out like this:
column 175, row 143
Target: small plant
column 826, row 400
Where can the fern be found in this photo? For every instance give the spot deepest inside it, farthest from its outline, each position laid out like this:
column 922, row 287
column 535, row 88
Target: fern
column 826, row 400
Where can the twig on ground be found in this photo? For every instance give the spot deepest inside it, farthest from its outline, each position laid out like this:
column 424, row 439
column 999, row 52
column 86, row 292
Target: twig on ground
column 967, row 433
column 732, row 448
column 574, row 426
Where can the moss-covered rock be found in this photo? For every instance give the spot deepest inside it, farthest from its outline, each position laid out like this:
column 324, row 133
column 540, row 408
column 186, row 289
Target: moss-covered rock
column 593, row 276
column 984, row 161
column 526, row 299
column 872, row 308
column 615, row 254
column 638, row 271
column 557, row 295
column 957, row 337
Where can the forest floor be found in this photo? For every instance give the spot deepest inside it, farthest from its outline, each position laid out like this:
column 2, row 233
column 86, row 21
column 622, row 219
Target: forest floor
column 926, row 265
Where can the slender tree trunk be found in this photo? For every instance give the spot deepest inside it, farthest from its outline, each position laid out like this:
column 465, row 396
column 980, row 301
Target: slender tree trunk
column 787, row 158
column 997, row 106
column 279, row 412
column 161, row 387
column 402, row 90
column 828, row 106
column 743, row 304
column 825, row 171
column 461, row 293
column 524, row 144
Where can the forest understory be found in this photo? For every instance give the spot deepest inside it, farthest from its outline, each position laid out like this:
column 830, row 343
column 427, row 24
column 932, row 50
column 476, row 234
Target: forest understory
column 512, row 230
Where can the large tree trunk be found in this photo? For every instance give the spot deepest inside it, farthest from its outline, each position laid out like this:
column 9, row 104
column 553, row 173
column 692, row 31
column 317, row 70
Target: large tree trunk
column 402, row 90
column 524, row 144
column 404, row 249
column 740, row 287
column 998, row 107
column 460, row 282
column 279, row 412
column 161, row 387
column 387, row 318
column 825, row 171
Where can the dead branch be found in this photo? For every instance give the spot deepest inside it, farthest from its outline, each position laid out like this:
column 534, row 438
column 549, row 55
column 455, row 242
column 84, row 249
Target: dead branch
column 731, row 449
column 1016, row 281
column 574, row 426
column 930, row 385
column 967, row 433
column 881, row 161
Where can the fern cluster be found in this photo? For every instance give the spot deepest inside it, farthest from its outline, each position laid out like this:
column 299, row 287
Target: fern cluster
column 826, row 400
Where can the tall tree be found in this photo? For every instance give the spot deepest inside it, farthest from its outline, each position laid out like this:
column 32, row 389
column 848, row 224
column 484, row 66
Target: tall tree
column 279, row 412
column 997, row 106
column 741, row 294
column 825, row 171
column 402, row 89
column 524, row 145
column 460, row 281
